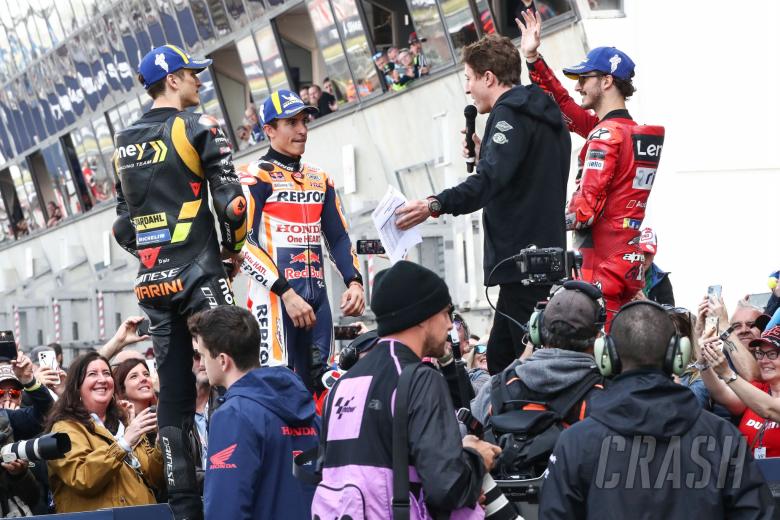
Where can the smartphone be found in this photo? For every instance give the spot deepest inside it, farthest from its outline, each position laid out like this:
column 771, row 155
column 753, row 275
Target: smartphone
column 346, row 331
column 142, row 329
column 151, row 365
column 455, row 342
column 714, row 292
column 370, row 247
column 711, row 323
column 7, row 345
column 48, row 359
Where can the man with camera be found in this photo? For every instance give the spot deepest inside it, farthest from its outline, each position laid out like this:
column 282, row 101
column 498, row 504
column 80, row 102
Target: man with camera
column 520, row 183
column 388, row 395
column 647, row 449
column 617, row 164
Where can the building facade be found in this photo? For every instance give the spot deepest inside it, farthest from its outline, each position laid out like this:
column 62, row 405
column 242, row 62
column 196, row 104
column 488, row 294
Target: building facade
column 68, row 70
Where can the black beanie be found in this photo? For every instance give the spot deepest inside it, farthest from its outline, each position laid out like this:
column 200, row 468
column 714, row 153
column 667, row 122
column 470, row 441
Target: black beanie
column 405, row 295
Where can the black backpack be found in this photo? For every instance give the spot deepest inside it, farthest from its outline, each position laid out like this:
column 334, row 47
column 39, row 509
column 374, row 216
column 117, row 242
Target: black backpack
column 527, row 430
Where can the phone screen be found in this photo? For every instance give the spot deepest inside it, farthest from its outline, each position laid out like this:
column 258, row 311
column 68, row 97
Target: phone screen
column 714, row 292
column 370, row 247
column 7, row 344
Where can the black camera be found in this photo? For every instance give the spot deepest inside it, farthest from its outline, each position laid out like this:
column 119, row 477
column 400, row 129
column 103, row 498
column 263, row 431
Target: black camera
column 547, row 265
column 389, row 67
column 46, row 447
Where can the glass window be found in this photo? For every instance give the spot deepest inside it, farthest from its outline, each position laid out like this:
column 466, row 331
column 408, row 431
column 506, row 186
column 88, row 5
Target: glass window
column 67, row 17
column 209, row 100
column 153, row 23
column 186, row 23
column 79, row 12
column 431, row 33
column 92, row 7
column 18, row 19
column 250, row 60
column 40, row 44
column 62, row 180
column 115, row 119
column 48, row 20
column 23, row 139
column 505, row 12
column 605, row 5
column 92, row 39
column 219, row 17
column 486, row 24
column 6, row 233
column 236, row 13
column 121, row 70
column 123, row 21
column 271, row 58
column 28, row 199
column 79, row 50
column 17, row 51
column 256, row 7
column 133, row 111
column 106, row 146
column 6, row 56
column 202, row 20
column 133, row 10
column 459, row 21
column 356, row 44
column 31, row 99
column 97, row 177
column 330, row 46
column 66, row 68
column 168, row 20
column 9, row 124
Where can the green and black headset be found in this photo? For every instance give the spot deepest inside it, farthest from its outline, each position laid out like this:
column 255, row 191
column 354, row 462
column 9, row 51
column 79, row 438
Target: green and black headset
column 594, row 293
column 676, row 358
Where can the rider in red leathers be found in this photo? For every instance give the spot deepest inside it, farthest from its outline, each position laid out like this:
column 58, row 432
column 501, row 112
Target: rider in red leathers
column 617, row 164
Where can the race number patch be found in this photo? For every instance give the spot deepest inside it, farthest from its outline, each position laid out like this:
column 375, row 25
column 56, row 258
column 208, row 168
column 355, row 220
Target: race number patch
column 644, row 178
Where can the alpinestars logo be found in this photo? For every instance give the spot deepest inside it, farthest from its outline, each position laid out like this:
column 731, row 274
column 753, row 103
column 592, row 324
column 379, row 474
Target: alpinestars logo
column 342, row 406
column 220, row 459
column 159, row 60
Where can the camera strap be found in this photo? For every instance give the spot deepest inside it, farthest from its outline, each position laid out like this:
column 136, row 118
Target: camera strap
column 401, row 443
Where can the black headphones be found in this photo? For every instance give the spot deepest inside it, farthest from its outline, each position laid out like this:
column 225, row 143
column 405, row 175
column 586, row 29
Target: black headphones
column 588, row 289
column 676, row 357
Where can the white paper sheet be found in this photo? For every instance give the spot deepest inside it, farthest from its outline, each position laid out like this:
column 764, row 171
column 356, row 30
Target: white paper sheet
column 395, row 241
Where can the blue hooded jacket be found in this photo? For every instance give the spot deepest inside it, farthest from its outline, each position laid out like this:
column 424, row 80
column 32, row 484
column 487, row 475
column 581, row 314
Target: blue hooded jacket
column 267, row 417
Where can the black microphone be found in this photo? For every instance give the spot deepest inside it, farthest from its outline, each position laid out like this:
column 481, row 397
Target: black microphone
column 470, row 112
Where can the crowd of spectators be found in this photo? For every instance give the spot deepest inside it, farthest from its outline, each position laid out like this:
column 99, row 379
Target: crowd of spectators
column 399, row 67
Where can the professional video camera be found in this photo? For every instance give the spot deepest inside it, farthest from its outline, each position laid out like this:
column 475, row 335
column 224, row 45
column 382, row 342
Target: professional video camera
column 46, row 447
column 547, row 265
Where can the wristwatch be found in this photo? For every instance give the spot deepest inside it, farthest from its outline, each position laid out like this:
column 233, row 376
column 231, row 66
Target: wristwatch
column 434, row 206
column 731, row 379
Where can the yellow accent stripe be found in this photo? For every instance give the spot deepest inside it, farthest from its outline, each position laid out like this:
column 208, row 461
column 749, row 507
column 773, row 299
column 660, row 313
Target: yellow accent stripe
column 164, row 149
column 181, row 232
column 156, row 151
column 189, row 209
column 277, row 103
column 241, row 233
column 141, row 149
column 184, row 148
column 179, row 52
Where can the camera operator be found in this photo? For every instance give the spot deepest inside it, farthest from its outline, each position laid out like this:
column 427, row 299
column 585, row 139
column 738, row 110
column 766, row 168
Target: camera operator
column 412, row 307
column 520, row 182
column 647, row 450
column 568, row 327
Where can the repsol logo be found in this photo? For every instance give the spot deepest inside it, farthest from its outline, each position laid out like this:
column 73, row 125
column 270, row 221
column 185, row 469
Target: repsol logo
column 647, row 148
column 261, row 314
column 305, row 197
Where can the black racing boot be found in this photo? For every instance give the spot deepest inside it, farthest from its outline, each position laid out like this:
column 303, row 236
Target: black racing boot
column 179, row 471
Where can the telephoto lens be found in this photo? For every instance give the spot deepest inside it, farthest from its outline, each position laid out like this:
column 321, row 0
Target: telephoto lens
column 46, row 447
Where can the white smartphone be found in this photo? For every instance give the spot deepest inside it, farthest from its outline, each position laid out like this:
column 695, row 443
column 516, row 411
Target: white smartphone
column 151, row 365
column 48, row 359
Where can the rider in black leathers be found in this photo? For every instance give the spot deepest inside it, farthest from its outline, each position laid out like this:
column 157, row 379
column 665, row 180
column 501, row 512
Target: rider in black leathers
column 164, row 163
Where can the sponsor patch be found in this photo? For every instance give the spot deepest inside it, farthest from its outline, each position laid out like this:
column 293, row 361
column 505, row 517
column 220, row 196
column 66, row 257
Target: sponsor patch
column 153, row 221
column 282, row 185
column 277, row 176
column 500, row 138
column 631, row 223
column 636, row 204
column 153, row 237
column 634, row 257
column 155, row 290
column 597, row 154
column 647, row 148
column 644, row 178
column 503, row 126
column 220, row 459
column 148, row 256
column 594, row 164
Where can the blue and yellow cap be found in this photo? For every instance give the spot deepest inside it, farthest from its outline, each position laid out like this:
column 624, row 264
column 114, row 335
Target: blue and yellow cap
column 283, row 104
column 165, row 60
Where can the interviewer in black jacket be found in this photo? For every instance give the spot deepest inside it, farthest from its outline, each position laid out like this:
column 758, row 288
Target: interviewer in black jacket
column 648, row 450
column 520, row 182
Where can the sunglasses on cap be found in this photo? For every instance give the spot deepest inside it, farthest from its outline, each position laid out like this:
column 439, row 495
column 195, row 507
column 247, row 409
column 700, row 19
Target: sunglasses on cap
column 480, row 349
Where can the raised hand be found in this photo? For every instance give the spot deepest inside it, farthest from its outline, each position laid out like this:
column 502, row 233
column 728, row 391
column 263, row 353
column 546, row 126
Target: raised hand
column 531, row 34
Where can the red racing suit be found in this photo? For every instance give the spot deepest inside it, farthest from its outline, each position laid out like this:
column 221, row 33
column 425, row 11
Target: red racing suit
column 290, row 207
column 617, row 168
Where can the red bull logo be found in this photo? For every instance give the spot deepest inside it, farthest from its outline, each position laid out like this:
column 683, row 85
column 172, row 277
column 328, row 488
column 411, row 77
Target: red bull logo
column 305, row 257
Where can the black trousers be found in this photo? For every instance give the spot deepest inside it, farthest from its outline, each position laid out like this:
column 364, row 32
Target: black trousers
column 506, row 338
